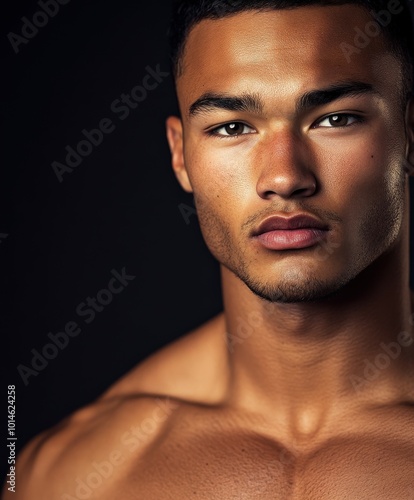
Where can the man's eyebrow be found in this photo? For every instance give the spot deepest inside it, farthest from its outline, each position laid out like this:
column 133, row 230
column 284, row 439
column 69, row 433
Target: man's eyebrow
column 321, row 97
column 250, row 103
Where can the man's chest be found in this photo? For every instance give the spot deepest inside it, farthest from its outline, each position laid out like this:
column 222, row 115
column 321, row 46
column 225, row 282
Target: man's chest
column 251, row 468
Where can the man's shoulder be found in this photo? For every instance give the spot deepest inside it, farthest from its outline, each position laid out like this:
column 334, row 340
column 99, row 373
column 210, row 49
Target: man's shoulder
column 187, row 368
column 130, row 416
column 91, row 443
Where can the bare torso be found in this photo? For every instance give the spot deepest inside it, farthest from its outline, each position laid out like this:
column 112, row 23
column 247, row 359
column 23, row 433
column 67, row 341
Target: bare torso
column 166, row 431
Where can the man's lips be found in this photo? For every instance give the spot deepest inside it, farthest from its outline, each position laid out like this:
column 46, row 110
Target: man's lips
column 299, row 231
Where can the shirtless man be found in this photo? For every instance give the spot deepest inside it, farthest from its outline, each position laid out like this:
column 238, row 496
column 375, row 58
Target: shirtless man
column 297, row 145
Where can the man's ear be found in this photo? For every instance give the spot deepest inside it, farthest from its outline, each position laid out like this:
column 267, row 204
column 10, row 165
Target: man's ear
column 409, row 126
column 174, row 128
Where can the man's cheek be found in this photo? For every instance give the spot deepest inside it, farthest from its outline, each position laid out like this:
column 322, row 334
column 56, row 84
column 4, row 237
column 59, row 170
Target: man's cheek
column 352, row 176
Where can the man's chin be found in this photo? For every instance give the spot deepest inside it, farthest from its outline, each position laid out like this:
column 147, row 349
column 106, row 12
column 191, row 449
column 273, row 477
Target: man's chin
column 288, row 293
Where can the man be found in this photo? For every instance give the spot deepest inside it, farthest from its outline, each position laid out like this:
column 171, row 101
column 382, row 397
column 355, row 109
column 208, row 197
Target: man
column 296, row 138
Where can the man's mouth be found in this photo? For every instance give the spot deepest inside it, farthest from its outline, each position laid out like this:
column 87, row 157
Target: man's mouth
column 295, row 232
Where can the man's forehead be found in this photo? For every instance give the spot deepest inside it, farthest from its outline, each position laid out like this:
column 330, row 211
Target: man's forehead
column 299, row 47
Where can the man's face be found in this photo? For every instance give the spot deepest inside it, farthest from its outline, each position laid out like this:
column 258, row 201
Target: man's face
column 336, row 156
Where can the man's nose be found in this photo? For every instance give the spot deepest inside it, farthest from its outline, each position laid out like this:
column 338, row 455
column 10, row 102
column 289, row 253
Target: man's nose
column 286, row 167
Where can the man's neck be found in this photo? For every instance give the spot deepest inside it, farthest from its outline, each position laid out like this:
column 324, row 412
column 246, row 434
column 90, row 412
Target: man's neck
column 305, row 362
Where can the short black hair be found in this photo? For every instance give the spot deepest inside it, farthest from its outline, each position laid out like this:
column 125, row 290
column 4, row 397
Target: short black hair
column 187, row 13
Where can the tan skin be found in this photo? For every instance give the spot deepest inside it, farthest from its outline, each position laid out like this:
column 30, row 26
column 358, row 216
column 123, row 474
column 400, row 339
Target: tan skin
column 261, row 402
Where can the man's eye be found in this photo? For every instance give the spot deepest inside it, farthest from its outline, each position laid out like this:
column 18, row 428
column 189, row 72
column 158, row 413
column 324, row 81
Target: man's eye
column 338, row 120
column 233, row 129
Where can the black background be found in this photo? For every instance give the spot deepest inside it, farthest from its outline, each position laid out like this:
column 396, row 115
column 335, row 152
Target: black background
column 119, row 208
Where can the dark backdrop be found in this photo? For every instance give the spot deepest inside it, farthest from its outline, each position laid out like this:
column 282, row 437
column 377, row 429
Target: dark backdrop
column 119, row 208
